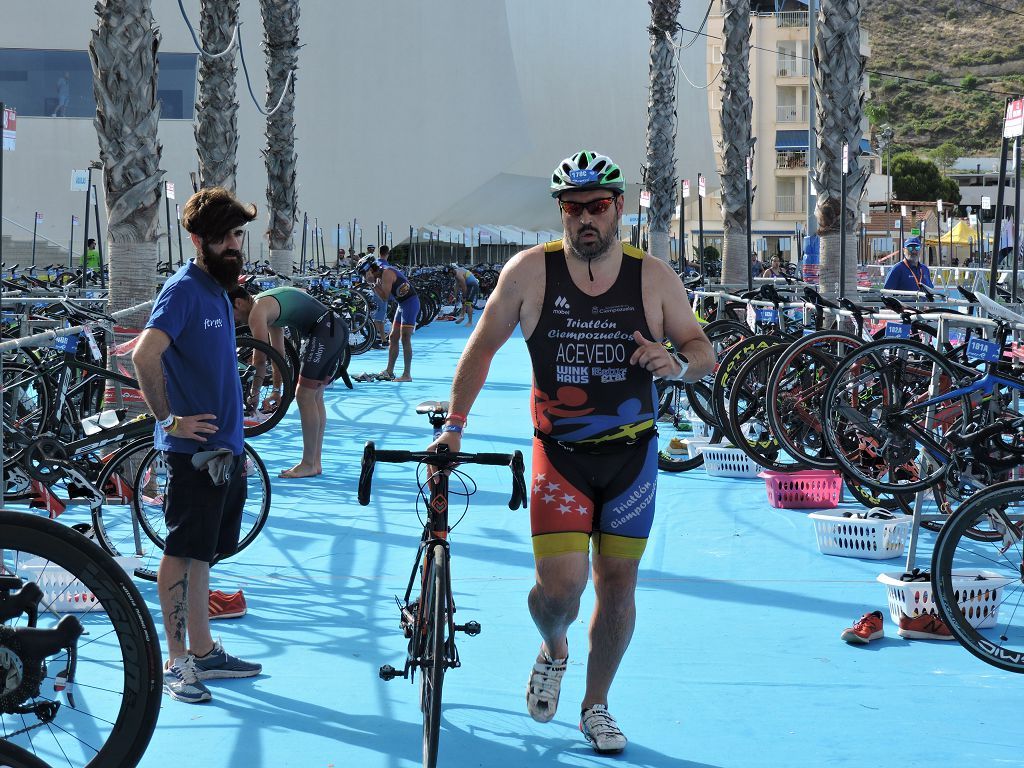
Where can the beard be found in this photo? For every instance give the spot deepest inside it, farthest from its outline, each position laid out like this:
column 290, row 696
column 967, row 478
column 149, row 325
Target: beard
column 589, row 250
column 225, row 271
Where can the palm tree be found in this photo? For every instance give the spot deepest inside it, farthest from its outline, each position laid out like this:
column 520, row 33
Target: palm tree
column 661, row 125
column 281, row 39
column 736, row 116
column 216, row 128
column 123, row 51
column 839, row 81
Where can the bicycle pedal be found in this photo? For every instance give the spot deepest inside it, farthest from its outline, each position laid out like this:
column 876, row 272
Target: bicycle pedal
column 471, row 628
column 387, row 672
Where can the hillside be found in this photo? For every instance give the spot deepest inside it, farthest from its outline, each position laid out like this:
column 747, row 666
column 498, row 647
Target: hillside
column 944, row 42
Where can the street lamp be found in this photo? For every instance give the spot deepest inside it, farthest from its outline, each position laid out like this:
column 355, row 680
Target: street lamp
column 885, row 144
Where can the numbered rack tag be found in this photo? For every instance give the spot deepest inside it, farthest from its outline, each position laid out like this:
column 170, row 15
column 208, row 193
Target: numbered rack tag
column 957, row 336
column 66, row 344
column 983, row 349
column 897, row 330
column 766, row 315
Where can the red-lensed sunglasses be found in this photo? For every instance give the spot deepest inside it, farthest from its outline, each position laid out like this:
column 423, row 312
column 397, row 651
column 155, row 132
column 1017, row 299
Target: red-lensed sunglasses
column 594, row 207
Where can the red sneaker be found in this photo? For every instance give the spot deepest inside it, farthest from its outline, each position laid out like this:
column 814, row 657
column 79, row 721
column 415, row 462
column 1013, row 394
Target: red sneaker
column 867, row 628
column 225, row 606
column 923, row 627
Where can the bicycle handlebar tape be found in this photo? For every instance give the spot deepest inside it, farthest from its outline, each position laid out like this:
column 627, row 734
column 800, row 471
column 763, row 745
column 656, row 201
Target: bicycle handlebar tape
column 366, row 473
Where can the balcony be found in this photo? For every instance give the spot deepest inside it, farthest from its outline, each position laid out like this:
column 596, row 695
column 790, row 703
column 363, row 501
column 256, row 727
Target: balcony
column 791, row 113
column 791, row 19
column 789, row 66
column 791, row 160
column 789, row 204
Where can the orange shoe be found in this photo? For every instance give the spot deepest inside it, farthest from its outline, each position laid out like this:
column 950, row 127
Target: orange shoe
column 923, row 627
column 867, row 628
column 225, row 606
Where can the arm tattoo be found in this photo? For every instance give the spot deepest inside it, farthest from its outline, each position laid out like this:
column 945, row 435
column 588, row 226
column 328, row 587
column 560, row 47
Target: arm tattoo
column 179, row 611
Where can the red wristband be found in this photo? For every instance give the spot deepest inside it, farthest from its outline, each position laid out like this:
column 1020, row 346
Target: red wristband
column 456, row 417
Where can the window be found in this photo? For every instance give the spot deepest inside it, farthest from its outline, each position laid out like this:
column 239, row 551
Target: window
column 716, row 54
column 59, row 83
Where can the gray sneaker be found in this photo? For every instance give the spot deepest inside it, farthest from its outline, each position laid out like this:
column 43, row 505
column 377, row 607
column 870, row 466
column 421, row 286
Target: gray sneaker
column 601, row 730
column 218, row 664
column 543, row 688
column 181, row 681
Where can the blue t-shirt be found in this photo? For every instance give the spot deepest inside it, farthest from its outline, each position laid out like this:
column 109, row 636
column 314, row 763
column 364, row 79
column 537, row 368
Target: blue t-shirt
column 200, row 365
column 903, row 277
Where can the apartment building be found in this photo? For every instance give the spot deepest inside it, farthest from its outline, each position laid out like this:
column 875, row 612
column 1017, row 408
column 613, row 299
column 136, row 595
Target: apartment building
column 779, row 71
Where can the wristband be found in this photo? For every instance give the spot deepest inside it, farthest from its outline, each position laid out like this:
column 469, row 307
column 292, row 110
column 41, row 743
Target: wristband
column 456, row 417
column 456, row 428
column 683, row 365
column 166, row 423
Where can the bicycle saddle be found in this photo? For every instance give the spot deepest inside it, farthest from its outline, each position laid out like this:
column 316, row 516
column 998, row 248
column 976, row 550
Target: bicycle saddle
column 432, row 407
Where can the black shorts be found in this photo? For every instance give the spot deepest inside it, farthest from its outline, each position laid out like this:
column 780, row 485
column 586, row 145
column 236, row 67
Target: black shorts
column 203, row 519
column 323, row 350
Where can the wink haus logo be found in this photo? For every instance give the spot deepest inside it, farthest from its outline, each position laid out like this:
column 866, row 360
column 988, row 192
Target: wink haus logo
column 561, row 306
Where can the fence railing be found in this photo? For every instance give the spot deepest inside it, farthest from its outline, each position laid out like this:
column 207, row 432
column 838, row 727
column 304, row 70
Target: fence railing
column 791, row 159
column 791, row 113
column 791, row 19
column 788, row 66
column 789, row 204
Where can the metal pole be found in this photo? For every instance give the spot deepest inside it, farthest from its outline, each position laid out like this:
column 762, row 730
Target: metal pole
column 85, row 232
column 1016, row 214
column 842, row 230
column 316, row 241
column 748, row 204
column 938, row 231
column 302, row 249
column 700, row 226
column 71, row 241
column 167, row 209
column 812, row 145
column 35, row 227
column 99, row 235
column 177, row 216
column 682, row 229
column 993, row 271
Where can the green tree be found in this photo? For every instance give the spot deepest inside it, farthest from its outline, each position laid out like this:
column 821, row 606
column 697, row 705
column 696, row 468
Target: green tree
column 914, row 178
column 947, row 153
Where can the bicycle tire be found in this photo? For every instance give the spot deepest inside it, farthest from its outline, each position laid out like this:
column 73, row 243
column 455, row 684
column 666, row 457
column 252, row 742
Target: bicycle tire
column 728, row 367
column 866, row 389
column 1000, row 561
column 131, row 520
column 13, row 756
column 795, row 388
column 31, row 413
column 124, row 631
column 245, row 346
column 722, row 334
column 747, row 412
column 434, row 662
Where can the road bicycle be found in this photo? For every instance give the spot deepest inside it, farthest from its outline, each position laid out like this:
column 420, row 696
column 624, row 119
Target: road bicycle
column 427, row 609
column 80, row 664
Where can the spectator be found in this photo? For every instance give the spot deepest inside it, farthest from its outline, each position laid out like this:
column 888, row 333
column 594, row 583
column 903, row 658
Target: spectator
column 63, row 95
column 92, row 255
column 187, row 368
column 909, row 274
column 776, row 269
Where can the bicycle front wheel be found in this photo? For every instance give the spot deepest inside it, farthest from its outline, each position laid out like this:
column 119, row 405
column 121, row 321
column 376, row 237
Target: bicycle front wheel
column 434, row 661
column 106, row 713
column 978, row 585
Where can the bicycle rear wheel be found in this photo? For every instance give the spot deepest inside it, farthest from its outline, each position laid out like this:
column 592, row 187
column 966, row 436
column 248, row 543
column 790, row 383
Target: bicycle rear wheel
column 978, row 585
column 258, row 421
column 434, row 662
column 105, row 716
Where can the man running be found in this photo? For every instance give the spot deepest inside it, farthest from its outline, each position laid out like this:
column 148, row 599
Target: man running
column 390, row 282
column 594, row 313
column 324, row 356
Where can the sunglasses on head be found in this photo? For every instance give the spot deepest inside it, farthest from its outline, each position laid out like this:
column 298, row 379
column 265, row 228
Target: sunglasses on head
column 594, row 207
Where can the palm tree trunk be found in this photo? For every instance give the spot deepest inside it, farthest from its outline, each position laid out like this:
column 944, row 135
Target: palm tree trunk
column 281, row 39
column 839, row 81
column 123, row 52
column 216, row 128
column 661, row 125
column 736, row 116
